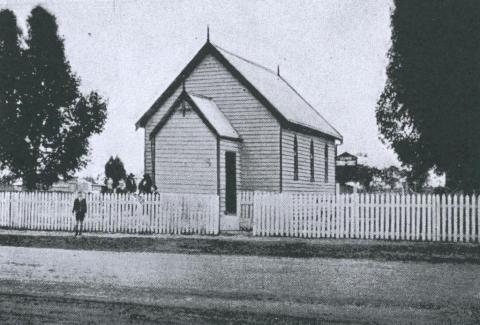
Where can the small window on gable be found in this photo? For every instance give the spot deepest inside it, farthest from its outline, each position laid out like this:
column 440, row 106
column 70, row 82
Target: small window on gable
column 326, row 164
column 295, row 158
column 312, row 161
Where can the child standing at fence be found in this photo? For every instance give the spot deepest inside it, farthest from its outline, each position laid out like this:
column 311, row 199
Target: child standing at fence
column 79, row 209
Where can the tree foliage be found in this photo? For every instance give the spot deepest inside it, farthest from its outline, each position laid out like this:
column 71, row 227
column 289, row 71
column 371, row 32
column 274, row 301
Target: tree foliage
column 358, row 174
column 49, row 137
column 429, row 111
column 115, row 170
column 10, row 74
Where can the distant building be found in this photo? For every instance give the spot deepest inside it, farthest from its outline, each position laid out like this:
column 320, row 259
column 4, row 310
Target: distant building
column 70, row 186
column 346, row 159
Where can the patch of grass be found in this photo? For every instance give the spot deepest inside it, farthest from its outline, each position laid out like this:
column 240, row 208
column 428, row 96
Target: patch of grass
column 433, row 252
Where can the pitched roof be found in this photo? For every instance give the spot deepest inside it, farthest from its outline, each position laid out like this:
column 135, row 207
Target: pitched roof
column 347, row 154
column 285, row 103
column 281, row 94
column 214, row 115
column 208, row 112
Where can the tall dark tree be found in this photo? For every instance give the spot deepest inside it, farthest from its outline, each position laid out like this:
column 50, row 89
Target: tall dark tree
column 54, row 120
column 11, row 68
column 115, row 170
column 429, row 111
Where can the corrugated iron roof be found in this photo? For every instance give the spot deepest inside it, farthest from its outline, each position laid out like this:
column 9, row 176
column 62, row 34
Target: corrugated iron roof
column 280, row 94
column 272, row 90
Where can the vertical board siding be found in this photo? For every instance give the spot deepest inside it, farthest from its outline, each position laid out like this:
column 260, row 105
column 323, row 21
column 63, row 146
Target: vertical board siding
column 185, row 155
column 115, row 213
column 303, row 183
column 260, row 154
column 368, row 216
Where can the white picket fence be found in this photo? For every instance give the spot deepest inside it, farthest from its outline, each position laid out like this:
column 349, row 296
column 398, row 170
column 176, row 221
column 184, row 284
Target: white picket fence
column 368, row 216
column 115, row 213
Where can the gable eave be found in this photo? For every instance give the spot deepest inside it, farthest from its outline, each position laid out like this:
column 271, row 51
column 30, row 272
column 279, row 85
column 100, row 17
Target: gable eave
column 311, row 131
column 174, row 85
column 184, row 96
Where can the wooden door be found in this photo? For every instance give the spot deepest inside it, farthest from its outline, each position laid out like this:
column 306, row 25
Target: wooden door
column 230, row 182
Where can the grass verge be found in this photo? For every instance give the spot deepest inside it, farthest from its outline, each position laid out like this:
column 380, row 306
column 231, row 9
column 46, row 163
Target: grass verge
column 433, row 252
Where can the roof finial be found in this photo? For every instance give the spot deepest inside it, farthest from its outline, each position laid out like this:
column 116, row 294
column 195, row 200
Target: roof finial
column 183, row 82
column 208, row 33
column 278, row 70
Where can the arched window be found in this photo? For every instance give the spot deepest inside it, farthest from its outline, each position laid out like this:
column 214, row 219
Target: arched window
column 295, row 159
column 326, row 164
column 312, row 162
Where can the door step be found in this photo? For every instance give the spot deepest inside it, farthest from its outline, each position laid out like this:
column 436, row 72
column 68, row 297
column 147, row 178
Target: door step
column 229, row 223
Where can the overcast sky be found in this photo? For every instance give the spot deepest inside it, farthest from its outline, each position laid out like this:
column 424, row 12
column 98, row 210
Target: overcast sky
column 332, row 52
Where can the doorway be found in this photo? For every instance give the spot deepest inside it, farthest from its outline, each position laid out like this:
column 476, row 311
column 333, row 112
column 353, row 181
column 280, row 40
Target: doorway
column 230, row 182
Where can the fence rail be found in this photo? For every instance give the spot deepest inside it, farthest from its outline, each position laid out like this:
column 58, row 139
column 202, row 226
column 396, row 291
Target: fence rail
column 160, row 213
column 368, row 216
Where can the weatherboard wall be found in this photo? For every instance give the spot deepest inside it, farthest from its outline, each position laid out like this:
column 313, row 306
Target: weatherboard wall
column 259, row 130
column 303, row 183
column 185, row 155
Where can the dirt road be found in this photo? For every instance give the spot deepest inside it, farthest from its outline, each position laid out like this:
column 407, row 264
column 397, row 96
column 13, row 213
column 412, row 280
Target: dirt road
column 55, row 285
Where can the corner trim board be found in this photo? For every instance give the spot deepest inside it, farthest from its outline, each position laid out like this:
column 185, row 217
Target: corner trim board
column 218, row 166
column 281, row 160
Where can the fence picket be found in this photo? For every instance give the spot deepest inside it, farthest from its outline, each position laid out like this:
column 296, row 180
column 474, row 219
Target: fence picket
column 474, row 218
column 461, row 207
column 436, row 219
column 455, row 218
column 467, row 218
column 428, row 227
column 478, row 218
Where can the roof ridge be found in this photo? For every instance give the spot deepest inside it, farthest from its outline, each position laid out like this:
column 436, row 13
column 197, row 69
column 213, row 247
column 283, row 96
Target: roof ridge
column 246, row 60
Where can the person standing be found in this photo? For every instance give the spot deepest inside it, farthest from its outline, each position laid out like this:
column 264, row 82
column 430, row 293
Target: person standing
column 79, row 209
column 122, row 187
column 145, row 185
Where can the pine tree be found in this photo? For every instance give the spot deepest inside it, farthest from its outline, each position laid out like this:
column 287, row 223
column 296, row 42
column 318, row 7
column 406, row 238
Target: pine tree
column 429, row 111
column 11, row 68
column 54, row 120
